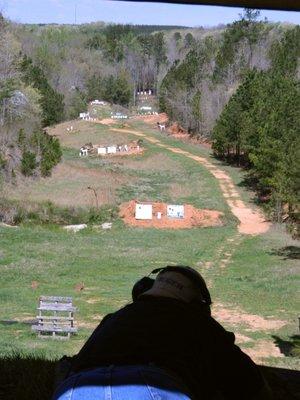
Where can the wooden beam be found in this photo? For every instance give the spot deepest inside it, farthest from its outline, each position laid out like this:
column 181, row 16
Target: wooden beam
column 288, row 5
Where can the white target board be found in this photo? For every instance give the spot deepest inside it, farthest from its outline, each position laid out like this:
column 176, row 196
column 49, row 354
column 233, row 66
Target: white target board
column 175, row 211
column 143, row 211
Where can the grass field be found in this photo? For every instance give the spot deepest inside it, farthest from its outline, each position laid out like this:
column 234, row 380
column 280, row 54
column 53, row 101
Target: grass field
column 253, row 279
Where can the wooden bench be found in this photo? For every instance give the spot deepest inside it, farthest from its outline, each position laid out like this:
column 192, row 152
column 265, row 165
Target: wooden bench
column 56, row 317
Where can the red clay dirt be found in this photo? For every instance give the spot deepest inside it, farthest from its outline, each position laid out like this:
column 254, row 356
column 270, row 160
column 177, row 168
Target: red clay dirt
column 175, row 129
column 178, row 132
column 162, row 118
column 193, row 217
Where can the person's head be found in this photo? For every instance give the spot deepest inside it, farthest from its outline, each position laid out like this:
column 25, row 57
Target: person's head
column 178, row 282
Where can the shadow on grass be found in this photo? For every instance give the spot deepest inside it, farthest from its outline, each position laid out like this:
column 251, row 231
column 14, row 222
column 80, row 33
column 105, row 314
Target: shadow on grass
column 32, row 378
column 287, row 252
column 288, row 347
column 26, row 378
column 13, row 322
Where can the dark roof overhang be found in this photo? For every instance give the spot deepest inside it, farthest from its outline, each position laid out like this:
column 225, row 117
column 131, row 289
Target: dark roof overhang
column 288, row 5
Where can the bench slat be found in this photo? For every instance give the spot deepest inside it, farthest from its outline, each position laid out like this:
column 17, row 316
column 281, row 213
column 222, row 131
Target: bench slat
column 58, row 323
column 51, row 328
column 56, row 298
column 56, row 307
column 53, row 317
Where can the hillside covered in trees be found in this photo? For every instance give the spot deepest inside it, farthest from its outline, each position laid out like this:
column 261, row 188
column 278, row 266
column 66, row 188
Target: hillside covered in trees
column 237, row 85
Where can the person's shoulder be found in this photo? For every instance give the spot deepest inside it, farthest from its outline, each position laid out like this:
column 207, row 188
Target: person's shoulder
column 219, row 331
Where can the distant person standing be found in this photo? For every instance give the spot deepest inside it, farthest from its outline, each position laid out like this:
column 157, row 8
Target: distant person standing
column 164, row 345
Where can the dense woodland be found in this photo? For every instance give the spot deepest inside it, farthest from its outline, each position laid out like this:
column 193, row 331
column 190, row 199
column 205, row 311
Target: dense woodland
column 237, row 85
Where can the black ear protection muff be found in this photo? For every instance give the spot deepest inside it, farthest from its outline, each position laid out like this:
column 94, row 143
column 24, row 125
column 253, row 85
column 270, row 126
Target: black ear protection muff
column 146, row 283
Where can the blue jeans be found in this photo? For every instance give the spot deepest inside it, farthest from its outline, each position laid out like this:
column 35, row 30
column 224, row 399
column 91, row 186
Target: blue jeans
column 135, row 382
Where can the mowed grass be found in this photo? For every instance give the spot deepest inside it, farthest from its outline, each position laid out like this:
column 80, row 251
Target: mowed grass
column 258, row 279
column 107, row 263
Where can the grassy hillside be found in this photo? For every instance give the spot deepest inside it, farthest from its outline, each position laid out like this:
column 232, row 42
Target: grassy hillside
column 257, row 283
column 156, row 174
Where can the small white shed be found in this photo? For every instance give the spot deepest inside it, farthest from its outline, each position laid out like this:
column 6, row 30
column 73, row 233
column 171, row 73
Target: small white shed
column 175, row 211
column 143, row 211
column 111, row 149
column 101, row 150
column 145, row 108
column 98, row 102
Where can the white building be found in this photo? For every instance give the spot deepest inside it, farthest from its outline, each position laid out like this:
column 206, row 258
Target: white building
column 143, row 211
column 111, row 149
column 98, row 102
column 175, row 211
column 101, row 150
column 145, row 108
column 119, row 116
column 84, row 116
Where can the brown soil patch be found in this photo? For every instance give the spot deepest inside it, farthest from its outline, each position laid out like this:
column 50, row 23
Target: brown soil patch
column 94, row 300
column 242, row 338
column 107, row 121
column 192, row 218
column 79, row 287
column 263, row 349
column 34, row 285
column 174, row 130
column 177, row 131
column 162, row 118
column 239, row 317
column 251, row 221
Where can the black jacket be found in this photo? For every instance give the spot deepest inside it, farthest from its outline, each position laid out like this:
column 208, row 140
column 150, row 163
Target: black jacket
column 178, row 336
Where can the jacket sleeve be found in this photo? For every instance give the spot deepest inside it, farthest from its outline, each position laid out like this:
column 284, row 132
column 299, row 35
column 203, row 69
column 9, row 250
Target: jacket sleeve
column 77, row 359
column 237, row 375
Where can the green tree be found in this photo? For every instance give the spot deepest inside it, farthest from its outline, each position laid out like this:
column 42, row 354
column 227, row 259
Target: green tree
column 115, row 35
column 285, row 53
column 28, row 163
column 49, row 150
column 159, row 49
column 196, row 111
column 189, row 40
column 117, row 90
column 177, row 37
column 78, row 103
column 51, row 101
column 250, row 15
column 261, row 122
column 95, row 88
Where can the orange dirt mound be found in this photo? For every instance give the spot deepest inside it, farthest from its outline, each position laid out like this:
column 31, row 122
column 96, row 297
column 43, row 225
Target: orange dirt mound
column 162, row 118
column 192, row 217
column 176, row 131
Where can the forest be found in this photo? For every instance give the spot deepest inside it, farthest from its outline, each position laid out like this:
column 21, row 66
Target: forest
column 235, row 85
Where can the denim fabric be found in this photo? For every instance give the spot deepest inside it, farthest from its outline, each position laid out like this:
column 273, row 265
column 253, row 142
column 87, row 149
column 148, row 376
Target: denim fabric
column 140, row 382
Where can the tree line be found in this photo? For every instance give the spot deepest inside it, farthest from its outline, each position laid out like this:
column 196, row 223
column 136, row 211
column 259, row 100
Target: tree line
column 27, row 104
column 259, row 128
